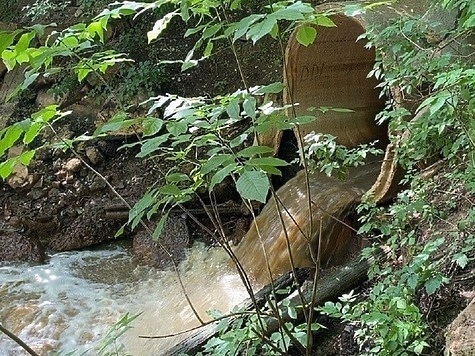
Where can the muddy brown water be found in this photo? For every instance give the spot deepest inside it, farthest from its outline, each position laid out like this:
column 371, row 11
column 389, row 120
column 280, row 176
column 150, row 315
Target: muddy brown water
column 70, row 303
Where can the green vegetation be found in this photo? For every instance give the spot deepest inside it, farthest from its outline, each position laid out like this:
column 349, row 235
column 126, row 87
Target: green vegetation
column 429, row 64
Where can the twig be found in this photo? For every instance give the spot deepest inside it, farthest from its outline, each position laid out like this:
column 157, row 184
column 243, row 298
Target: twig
column 18, row 340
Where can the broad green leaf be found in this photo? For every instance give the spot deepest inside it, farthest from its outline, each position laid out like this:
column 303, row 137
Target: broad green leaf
column 267, row 161
column 255, row 150
column 26, row 157
column 159, row 229
column 169, row 189
column 11, row 135
column 271, row 170
column 177, row 128
column 215, row 162
column 253, row 185
column 94, row 28
column 151, row 145
column 151, row 126
column 306, row 35
column 241, row 28
column 24, row 42
column 325, row 21
column 177, row 177
column 6, row 39
column 433, row 284
column 273, row 88
column 249, row 106
column 287, row 13
column 232, row 109
column 32, row 132
column 260, row 29
column 238, row 140
column 221, row 174
column 82, row 72
column 6, row 168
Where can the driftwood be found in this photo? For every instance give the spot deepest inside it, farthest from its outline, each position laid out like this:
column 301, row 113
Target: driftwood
column 331, row 285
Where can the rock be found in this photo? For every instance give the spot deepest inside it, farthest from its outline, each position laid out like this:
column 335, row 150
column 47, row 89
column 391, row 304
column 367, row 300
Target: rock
column 94, row 155
column 73, row 165
column 174, row 239
column 86, row 230
column 6, row 111
column 44, row 98
column 16, row 247
column 19, row 178
column 460, row 336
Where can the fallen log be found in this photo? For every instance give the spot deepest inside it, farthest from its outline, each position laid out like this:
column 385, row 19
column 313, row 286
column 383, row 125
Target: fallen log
column 331, row 285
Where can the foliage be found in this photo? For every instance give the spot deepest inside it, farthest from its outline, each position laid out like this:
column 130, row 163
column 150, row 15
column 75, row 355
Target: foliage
column 245, row 333
column 325, row 155
column 40, row 8
column 426, row 62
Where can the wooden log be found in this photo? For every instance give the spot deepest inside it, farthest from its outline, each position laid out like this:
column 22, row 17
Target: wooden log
column 331, row 285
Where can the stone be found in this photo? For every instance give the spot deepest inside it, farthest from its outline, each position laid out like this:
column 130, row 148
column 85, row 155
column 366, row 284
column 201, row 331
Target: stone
column 6, row 111
column 174, row 239
column 460, row 335
column 45, row 98
column 16, row 247
column 73, row 165
column 94, row 155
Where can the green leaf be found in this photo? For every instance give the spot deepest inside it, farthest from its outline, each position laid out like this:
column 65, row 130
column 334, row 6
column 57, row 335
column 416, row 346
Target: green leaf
column 26, row 157
column 306, row 35
column 259, row 30
column 236, row 141
column 221, row 174
column 32, row 132
column 169, row 189
column 325, row 21
column 152, row 126
column 267, row 161
column 433, row 284
column 215, row 162
column 9, row 138
column 255, row 150
column 177, row 177
column 93, row 28
column 253, row 185
column 233, row 109
column 249, row 106
column 177, row 128
column 159, row 229
column 151, row 145
column 273, row 88
column 6, row 168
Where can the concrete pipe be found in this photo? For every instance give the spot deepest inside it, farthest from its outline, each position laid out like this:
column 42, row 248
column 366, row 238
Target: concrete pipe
column 333, row 72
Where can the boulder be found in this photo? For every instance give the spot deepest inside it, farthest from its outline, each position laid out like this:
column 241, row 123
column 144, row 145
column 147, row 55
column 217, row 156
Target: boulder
column 171, row 244
column 16, row 247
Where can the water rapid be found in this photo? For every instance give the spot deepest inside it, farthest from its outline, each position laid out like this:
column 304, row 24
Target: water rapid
column 72, row 301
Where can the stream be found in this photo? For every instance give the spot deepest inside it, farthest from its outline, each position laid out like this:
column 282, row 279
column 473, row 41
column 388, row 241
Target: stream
column 70, row 303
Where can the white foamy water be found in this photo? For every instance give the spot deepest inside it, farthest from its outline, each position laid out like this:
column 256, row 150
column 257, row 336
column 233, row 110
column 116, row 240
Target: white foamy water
column 71, row 302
